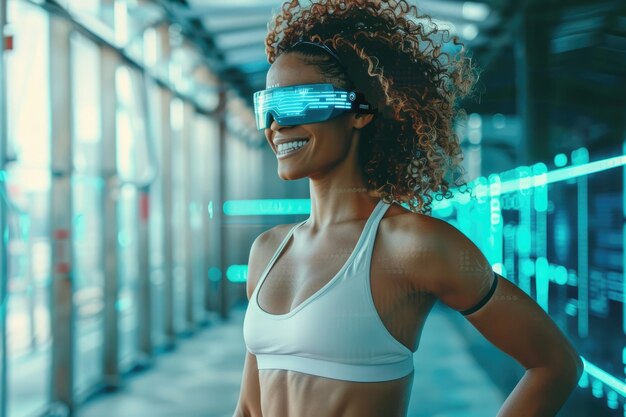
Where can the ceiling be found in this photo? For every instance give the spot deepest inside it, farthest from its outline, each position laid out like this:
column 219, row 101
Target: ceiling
column 231, row 34
column 236, row 30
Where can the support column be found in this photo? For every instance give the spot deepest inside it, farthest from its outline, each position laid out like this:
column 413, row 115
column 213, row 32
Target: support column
column 211, row 224
column 166, row 194
column 208, row 186
column 144, row 325
column 144, row 296
column 4, row 270
column 62, row 306
column 186, row 134
column 109, row 62
column 146, row 196
column 219, row 205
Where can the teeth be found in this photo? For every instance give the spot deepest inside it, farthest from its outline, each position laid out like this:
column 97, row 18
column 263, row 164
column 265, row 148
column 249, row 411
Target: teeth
column 291, row 145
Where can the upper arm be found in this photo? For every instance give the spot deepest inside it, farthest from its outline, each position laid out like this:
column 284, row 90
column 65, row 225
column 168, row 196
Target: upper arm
column 510, row 319
column 257, row 261
column 249, row 404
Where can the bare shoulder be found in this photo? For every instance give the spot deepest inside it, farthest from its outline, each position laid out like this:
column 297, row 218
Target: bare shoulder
column 271, row 238
column 261, row 252
column 414, row 233
column 407, row 244
column 430, row 246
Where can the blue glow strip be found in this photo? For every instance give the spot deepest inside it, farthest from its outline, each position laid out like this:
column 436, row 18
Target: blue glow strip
column 308, row 97
column 302, row 206
column 267, row 207
column 606, row 378
column 563, row 174
column 237, row 273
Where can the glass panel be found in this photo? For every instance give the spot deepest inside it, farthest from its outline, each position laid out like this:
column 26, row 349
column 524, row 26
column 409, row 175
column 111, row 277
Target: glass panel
column 127, row 212
column 28, row 185
column 197, row 183
column 157, row 222
column 87, row 190
column 133, row 165
column 179, row 210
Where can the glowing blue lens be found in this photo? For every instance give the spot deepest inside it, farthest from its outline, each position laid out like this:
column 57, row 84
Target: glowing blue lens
column 300, row 104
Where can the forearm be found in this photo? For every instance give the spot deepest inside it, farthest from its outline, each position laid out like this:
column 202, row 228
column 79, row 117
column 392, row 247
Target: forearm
column 540, row 393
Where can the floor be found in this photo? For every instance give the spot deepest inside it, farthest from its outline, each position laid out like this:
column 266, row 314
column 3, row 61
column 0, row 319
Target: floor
column 201, row 378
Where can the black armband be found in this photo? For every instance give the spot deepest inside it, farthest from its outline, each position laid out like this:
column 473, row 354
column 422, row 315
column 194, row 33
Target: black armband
column 485, row 298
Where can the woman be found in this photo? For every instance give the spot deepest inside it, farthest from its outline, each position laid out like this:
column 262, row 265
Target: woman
column 360, row 100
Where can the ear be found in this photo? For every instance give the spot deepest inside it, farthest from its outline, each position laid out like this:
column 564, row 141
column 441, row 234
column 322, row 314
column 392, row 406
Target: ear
column 361, row 120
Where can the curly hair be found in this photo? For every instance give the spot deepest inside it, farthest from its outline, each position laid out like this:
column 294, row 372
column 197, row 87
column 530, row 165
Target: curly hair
column 389, row 53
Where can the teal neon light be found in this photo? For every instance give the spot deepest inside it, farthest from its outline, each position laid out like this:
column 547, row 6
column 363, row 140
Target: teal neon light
column 571, row 309
column 214, row 274
column 481, row 189
column 611, row 400
column 526, row 181
column 267, row 207
column 237, row 273
column 609, row 380
column 560, row 160
column 560, row 275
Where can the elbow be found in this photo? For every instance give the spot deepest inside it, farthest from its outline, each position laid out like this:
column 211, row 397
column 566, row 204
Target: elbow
column 576, row 366
column 571, row 365
column 572, row 370
column 580, row 367
column 566, row 372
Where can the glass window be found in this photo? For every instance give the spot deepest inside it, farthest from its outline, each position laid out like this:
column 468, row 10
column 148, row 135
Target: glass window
column 28, row 185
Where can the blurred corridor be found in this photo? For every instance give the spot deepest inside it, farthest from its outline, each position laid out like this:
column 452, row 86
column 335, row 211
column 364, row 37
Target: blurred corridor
column 134, row 181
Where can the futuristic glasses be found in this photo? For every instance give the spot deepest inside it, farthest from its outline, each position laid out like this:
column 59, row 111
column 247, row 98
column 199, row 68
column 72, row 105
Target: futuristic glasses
column 305, row 103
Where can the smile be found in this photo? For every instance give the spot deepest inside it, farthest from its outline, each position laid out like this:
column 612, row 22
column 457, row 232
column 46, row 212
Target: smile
column 288, row 149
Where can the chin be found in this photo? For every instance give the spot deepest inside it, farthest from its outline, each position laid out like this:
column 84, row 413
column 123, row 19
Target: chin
column 290, row 176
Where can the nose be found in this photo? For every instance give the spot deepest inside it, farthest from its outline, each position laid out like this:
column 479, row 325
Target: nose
column 272, row 127
column 274, row 124
column 271, row 119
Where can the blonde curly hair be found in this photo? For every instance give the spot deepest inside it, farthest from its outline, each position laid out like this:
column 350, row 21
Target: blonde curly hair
column 393, row 55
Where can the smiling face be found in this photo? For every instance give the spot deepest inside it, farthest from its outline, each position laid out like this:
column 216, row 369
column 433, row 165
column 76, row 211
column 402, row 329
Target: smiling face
column 329, row 142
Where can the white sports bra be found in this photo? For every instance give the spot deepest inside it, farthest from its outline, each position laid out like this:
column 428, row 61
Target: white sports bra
column 335, row 333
